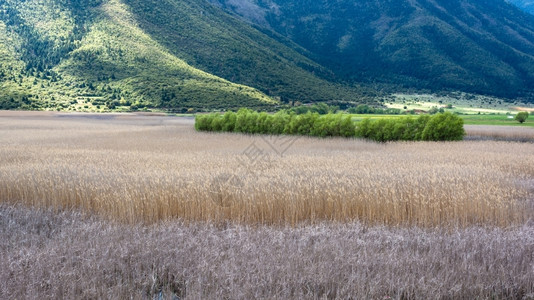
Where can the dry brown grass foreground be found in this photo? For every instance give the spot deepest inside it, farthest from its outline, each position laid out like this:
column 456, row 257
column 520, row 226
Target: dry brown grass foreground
column 151, row 168
column 499, row 133
column 48, row 255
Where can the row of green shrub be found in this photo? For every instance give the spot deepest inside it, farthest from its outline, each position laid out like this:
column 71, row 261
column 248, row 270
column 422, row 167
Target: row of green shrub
column 282, row 122
column 440, row 127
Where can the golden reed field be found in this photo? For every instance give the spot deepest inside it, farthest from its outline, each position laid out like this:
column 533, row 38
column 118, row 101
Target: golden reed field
column 148, row 168
column 500, row 133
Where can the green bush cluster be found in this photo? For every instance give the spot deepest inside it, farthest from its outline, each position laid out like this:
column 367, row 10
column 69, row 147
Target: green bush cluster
column 440, row 127
column 282, row 122
column 521, row 117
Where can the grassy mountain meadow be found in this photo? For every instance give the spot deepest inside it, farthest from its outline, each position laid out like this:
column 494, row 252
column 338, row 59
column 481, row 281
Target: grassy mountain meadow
column 80, row 54
column 476, row 46
column 179, row 55
column 187, row 55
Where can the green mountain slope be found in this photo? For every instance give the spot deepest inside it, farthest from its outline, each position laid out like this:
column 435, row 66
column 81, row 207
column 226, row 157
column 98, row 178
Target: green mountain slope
column 169, row 54
column 223, row 45
column 219, row 54
column 476, row 46
column 117, row 48
column 104, row 60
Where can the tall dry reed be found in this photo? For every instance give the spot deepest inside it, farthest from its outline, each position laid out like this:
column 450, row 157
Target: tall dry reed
column 500, row 133
column 47, row 255
column 148, row 169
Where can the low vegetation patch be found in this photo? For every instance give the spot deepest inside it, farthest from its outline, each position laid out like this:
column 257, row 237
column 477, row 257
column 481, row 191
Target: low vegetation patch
column 253, row 122
column 67, row 255
column 369, row 110
column 521, row 117
column 440, row 127
column 499, row 133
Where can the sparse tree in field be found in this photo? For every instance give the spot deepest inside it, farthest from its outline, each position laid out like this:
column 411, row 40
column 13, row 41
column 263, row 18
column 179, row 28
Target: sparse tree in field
column 521, row 117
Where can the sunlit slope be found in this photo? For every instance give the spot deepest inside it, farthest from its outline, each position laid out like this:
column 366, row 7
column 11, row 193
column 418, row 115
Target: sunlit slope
column 224, row 45
column 54, row 56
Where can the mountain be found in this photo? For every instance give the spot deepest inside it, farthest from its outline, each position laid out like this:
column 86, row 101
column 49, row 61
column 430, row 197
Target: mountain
column 169, row 54
column 91, row 53
column 478, row 46
column 224, row 45
column 184, row 55
column 526, row 5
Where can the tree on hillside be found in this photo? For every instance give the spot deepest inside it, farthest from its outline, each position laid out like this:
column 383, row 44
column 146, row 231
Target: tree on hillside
column 521, row 117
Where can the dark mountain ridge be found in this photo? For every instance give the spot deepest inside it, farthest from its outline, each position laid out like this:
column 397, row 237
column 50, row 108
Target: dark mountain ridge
column 476, row 46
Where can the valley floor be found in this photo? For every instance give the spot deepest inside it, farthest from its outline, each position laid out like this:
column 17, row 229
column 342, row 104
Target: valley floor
column 66, row 255
column 142, row 206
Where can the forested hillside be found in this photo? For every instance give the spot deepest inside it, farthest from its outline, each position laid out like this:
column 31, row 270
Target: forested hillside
column 228, row 47
column 109, row 54
column 190, row 55
column 476, row 46
column 92, row 54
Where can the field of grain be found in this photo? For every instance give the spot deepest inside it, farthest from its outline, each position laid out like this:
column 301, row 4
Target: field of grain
column 499, row 133
column 143, row 207
column 151, row 168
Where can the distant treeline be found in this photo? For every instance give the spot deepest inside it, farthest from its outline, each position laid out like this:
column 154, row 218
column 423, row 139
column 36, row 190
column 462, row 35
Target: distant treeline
column 323, row 109
column 366, row 109
column 440, row 127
